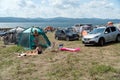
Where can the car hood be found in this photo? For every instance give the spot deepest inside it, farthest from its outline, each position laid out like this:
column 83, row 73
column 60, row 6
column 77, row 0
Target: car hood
column 91, row 35
column 72, row 33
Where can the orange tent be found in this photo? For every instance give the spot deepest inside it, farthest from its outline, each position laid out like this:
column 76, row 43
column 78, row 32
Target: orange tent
column 49, row 28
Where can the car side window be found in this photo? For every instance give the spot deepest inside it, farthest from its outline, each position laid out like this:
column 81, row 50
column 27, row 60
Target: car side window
column 62, row 32
column 107, row 30
column 113, row 29
column 58, row 32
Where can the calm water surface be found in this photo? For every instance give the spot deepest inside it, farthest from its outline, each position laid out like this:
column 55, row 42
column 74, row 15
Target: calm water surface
column 37, row 24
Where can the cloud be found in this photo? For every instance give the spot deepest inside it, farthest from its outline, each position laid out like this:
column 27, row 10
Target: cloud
column 59, row 8
column 7, row 4
column 22, row 3
column 17, row 8
column 101, row 9
column 63, row 4
column 28, row 3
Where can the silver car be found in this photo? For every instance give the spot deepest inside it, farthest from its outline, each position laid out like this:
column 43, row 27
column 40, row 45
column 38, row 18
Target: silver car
column 101, row 35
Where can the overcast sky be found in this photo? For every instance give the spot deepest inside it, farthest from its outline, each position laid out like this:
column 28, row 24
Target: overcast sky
column 60, row 8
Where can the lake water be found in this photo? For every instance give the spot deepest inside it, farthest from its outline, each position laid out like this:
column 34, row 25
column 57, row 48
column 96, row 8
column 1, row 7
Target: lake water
column 36, row 24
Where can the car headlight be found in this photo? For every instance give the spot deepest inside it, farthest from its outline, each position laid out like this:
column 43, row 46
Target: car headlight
column 96, row 36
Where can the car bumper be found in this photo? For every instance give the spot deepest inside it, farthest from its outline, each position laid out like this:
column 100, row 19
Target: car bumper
column 90, row 41
column 75, row 38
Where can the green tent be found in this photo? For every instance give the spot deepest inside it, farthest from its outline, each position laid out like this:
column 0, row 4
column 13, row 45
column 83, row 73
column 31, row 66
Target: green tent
column 26, row 39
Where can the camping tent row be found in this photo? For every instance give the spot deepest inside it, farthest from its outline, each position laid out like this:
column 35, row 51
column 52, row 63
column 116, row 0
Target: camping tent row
column 80, row 27
column 11, row 36
column 26, row 39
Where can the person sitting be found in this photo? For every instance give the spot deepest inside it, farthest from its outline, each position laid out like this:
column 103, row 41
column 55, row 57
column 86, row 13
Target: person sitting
column 39, row 49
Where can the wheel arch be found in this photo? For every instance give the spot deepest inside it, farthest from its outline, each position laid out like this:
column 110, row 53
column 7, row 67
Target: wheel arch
column 117, row 37
column 102, row 38
column 101, row 41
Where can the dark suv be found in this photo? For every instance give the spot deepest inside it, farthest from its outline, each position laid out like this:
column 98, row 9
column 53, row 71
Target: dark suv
column 66, row 35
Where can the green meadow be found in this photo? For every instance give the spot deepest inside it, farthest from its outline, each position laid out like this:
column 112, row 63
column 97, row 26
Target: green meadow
column 90, row 63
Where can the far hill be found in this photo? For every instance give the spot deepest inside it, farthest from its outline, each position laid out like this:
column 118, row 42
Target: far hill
column 59, row 19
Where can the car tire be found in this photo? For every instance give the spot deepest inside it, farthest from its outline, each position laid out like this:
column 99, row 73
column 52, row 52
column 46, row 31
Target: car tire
column 101, row 42
column 118, row 38
column 67, row 39
column 77, row 39
column 85, row 45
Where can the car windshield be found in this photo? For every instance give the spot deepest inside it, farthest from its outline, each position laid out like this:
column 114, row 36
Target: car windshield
column 68, row 31
column 97, row 30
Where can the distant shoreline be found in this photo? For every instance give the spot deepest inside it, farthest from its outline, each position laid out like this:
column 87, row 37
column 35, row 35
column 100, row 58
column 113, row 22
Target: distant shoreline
column 56, row 20
column 42, row 24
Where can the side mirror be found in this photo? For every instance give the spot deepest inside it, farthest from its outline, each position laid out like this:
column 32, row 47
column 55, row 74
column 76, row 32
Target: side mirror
column 106, row 32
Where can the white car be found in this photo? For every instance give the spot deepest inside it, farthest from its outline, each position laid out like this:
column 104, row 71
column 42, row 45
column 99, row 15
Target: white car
column 101, row 35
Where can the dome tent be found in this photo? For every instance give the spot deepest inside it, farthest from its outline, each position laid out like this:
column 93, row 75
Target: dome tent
column 15, row 30
column 27, row 38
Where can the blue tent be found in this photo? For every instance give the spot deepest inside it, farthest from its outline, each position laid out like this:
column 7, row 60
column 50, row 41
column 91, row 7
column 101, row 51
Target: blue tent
column 26, row 39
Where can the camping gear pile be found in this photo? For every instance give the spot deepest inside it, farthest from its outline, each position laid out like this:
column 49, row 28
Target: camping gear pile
column 11, row 36
column 79, row 28
column 49, row 29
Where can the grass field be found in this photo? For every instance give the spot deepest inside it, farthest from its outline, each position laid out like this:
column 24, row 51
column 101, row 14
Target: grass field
column 90, row 63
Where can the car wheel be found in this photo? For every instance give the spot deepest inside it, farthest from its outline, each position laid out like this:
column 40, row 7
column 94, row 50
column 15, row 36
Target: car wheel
column 118, row 38
column 67, row 39
column 101, row 42
column 77, row 39
column 85, row 45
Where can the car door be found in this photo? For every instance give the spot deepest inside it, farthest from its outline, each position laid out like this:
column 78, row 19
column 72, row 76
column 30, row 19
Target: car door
column 63, row 34
column 113, row 33
column 107, row 35
column 58, row 34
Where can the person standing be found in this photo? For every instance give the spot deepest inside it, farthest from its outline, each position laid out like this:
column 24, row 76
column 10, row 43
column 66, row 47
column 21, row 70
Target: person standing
column 36, row 38
column 110, row 24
